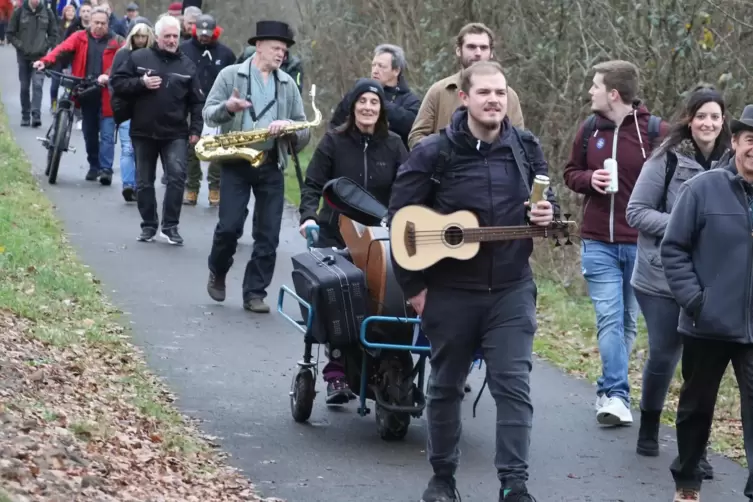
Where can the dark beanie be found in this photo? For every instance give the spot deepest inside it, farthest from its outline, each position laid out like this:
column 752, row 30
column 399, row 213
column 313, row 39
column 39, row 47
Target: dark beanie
column 364, row 85
column 141, row 19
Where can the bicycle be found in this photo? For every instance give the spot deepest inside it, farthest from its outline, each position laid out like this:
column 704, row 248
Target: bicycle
column 58, row 136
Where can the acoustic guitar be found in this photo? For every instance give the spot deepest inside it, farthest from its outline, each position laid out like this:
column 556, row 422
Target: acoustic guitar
column 369, row 248
column 420, row 237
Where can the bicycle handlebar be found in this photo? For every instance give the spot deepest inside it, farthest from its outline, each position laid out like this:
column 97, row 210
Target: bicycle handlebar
column 80, row 85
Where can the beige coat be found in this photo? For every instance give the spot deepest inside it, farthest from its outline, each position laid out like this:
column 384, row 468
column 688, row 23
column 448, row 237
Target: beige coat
column 440, row 103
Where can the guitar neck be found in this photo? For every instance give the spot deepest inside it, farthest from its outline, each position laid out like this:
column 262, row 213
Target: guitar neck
column 492, row 234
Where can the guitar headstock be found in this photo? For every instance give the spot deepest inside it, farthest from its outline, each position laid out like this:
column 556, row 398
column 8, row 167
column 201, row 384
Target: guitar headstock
column 560, row 229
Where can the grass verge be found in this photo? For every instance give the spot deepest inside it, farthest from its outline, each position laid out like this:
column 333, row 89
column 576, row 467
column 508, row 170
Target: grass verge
column 81, row 417
column 567, row 339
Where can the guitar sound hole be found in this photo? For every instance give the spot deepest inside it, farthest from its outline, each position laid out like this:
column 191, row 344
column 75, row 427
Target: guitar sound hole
column 453, row 236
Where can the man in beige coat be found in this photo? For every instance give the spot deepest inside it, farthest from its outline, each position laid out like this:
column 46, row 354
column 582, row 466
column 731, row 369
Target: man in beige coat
column 475, row 42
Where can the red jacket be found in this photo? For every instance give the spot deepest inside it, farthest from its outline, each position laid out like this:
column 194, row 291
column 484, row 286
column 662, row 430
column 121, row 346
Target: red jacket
column 6, row 10
column 78, row 45
column 604, row 220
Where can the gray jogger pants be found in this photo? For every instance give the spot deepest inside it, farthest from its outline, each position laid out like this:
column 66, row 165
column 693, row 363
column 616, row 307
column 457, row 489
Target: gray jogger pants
column 503, row 324
column 664, row 348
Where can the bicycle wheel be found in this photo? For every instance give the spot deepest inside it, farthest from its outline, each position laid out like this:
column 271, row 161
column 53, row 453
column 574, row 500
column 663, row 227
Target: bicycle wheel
column 55, row 150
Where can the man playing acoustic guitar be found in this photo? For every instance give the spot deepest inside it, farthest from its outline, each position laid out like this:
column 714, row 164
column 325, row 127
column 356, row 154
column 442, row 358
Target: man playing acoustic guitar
column 488, row 301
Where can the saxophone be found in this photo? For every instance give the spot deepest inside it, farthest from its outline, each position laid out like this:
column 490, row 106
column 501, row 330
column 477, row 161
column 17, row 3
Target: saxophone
column 234, row 145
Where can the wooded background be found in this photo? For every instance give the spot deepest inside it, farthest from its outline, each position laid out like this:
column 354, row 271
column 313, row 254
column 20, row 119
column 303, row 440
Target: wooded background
column 547, row 48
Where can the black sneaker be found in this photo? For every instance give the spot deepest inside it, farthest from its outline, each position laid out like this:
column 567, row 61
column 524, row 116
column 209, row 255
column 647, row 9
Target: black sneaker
column 338, row 392
column 105, row 178
column 92, row 174
column 172, row 236
column 25, row 122
column 216, row 287
column 147, row 234
column 441, row 489
column 129, row 194
column 516, row 493
column 36, row 122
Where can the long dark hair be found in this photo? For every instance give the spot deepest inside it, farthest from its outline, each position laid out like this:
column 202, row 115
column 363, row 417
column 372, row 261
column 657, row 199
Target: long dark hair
column 381, row 128
column 679, row 130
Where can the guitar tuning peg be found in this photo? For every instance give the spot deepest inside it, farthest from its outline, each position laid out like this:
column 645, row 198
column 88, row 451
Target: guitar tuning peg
column 557, row 242
column 567, row 216
column 568, row 242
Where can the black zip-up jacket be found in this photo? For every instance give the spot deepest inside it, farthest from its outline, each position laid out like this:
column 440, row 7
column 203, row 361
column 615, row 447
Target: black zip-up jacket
column 707, row 255
column 400, row 102
column 33, row 32
column 370, row 161
column 209, row 60
column 485, row 181
column 161, row 113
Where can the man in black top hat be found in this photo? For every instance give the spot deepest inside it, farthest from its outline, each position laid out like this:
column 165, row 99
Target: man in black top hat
column 707, row 254
column 249, row 96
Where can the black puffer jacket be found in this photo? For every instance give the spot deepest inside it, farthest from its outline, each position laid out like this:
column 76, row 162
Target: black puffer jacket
column 482, row 178
column 400, row 102
column 161, row 113
column 370, row 161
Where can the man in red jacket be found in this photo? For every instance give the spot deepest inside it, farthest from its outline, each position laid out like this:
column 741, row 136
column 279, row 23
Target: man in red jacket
column 93, row 51
column 608, row 153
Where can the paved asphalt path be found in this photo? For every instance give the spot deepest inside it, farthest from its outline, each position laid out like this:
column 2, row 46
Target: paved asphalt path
column 232, row 370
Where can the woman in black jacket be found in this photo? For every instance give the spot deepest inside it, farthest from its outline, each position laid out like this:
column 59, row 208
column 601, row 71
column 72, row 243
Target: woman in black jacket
column 364, row 150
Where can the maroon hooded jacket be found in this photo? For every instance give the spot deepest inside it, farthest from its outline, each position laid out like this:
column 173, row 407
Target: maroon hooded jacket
column 604, row 215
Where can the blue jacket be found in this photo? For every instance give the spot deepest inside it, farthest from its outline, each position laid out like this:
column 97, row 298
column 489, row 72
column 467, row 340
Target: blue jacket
column 485, row 181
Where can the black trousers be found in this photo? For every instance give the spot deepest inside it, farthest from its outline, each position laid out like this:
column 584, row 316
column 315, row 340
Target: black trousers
column 503, row 324
column 703, row 365
column 173, row 155
column 237, row 180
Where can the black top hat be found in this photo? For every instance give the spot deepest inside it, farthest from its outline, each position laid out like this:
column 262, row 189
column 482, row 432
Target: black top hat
column 272, row 30
column 745, row 123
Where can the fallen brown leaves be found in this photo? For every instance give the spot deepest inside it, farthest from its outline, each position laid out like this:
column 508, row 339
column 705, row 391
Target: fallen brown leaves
column 69, row 430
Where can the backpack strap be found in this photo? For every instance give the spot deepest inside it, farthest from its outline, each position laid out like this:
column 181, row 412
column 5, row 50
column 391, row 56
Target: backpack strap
column 443, row 160
column 669, row 172
column 654, row 130
column 588, row 128
column 524, row 168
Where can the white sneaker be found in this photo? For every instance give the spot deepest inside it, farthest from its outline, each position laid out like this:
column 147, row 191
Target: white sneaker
column 600, row 402
column 614, row 412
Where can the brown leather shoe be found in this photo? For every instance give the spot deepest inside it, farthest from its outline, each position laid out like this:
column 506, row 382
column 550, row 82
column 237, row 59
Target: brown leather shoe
column 256, row 305
column 190, row 197
column 687, row 495
column 216, row 287
column 214, row 197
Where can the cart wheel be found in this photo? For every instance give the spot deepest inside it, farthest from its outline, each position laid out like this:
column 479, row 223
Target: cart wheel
column 391, row 426
column 302, row 395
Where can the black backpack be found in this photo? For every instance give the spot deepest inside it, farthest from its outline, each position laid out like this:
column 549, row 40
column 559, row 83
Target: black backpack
column 446, row 157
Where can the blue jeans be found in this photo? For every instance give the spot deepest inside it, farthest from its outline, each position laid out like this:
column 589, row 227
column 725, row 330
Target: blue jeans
column 607, row 269
column 99, row 136
column 127, row 160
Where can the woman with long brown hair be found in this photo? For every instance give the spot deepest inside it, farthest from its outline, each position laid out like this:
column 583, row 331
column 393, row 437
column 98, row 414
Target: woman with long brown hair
column 696, row 142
